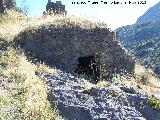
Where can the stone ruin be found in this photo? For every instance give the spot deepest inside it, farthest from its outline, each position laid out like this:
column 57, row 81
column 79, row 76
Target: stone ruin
column 6, row 4
column 55, row 8
column 91, row 52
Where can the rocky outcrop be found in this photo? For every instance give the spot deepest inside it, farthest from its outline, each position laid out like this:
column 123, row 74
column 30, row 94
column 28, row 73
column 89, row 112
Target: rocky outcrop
column 115, row 102
column 75, row 49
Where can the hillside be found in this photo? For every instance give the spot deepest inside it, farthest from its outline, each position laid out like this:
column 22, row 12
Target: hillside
column 36, row 84
column 152, row 14
column 143, row 38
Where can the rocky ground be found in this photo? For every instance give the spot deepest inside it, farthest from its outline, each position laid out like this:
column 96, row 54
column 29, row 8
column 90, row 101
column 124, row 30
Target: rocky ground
column 114, row 101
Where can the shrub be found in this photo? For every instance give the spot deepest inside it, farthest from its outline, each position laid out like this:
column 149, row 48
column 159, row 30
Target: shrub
column 102, row 83
column 154, row 102
column 143, row 78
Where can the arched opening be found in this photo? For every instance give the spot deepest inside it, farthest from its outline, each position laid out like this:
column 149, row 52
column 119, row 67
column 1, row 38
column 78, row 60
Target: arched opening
column 89, row 67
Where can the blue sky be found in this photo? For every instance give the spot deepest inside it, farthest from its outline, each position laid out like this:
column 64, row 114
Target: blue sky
column 114, row 15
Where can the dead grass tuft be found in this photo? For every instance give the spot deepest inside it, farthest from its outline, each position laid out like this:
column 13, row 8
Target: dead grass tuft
column 12, row 23
column 144, row 79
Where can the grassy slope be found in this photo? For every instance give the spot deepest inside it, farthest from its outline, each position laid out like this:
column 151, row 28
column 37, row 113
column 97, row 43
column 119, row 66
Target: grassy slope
column 25, row 94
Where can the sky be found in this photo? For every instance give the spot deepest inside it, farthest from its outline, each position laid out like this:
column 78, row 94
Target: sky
column 114, row 15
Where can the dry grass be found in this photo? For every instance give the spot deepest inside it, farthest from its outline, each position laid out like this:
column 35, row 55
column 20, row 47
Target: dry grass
column 65, row 20
column 26, row 94
column 144, row 79
column 151, row 84
column 102, row 83
column 14, row 22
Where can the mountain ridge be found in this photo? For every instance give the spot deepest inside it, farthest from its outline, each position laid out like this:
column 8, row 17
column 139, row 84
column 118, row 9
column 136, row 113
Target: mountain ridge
column 143, row 38
column 152, row 14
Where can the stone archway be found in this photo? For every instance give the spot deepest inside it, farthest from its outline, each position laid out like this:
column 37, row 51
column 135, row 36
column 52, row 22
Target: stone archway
column 89, row 67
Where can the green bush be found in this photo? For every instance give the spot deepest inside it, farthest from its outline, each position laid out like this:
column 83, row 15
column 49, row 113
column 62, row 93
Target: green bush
column 155, row 103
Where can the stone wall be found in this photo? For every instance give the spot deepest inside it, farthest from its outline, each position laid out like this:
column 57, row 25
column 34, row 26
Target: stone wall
column 55, row 8
column 62, row 47
column 6, row 4
column 1, row 6
column 9, row 3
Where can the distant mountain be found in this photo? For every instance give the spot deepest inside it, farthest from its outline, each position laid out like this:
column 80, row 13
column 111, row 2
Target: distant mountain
column 143, row 38
column 152, row 14
column 139, row 32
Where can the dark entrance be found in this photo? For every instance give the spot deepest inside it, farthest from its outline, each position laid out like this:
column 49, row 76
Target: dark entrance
column 89, row 67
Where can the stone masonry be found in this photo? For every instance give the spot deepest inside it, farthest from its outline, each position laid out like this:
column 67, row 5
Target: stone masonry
column 55, row 8
column 92, row 52
column 6, row 4
column 1, row 6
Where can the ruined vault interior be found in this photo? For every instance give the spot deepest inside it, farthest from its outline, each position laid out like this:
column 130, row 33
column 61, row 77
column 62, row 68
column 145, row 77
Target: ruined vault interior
column 89, row 67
